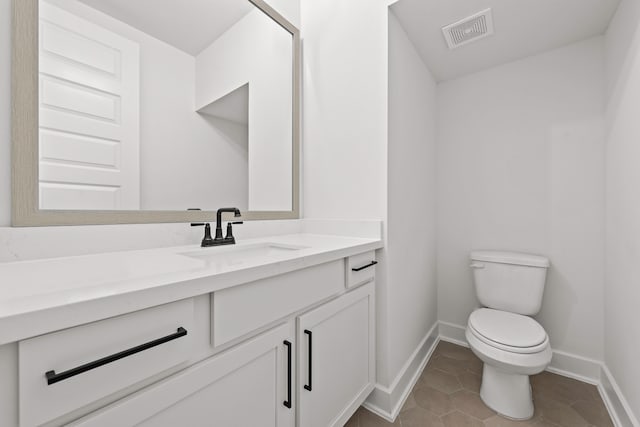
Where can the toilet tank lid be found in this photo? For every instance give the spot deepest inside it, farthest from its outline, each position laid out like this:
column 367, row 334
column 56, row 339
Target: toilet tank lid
column 516, row 258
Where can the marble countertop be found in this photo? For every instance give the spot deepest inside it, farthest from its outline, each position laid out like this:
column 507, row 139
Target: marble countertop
column 41, row 296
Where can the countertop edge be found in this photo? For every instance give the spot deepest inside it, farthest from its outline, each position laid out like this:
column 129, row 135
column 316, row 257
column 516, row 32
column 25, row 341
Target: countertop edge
column 37, row 322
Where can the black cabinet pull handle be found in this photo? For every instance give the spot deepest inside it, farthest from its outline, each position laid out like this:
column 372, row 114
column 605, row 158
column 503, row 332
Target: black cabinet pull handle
column 371, row 264
column 53, row 378
column 308, row 332
column 287, row 402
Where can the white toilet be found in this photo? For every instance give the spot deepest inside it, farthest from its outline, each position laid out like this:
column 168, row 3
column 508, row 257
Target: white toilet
column 511, row 344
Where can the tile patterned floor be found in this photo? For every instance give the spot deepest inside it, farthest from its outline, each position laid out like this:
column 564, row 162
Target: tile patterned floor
column 447, row 395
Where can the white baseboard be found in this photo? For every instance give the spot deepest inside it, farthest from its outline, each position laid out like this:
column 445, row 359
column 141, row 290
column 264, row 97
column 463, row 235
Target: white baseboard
column 615, row 401
column 565, row 364
column 572, row 366
column 452, row 333
column 576, row 367
column 387, row 402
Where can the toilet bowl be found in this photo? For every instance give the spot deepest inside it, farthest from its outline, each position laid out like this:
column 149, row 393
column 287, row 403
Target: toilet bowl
column 512, row 347
column 511, row 344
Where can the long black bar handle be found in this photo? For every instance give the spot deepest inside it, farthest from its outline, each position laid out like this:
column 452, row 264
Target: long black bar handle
column 287, row 402
column 53, row 378
column 308, row 332
column 371, row 264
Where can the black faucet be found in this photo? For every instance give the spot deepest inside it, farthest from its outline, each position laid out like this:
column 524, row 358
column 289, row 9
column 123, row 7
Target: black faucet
column 228, row 239
column 208, row 241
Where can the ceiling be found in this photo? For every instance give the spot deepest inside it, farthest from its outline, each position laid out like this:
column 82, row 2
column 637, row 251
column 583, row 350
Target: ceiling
column 189, row 25
column 522, row 28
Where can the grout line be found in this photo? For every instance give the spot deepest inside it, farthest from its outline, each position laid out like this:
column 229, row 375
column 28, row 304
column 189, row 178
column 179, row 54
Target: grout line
column 433, row 356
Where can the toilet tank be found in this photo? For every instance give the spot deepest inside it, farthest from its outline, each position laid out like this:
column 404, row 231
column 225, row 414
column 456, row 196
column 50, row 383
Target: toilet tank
column 509, row 281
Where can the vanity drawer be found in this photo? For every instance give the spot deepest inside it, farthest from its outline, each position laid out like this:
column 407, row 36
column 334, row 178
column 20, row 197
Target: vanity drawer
column 239, row 310
column 360, row 269
column 66, row 370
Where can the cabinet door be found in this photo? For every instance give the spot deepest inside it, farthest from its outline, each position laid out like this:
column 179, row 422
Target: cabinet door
column 247, row 385
column 336, row 358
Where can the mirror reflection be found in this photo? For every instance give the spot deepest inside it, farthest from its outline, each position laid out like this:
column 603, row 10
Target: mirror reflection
column 164, row 105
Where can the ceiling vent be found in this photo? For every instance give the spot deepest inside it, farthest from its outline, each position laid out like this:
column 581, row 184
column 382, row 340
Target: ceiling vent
column 469, row 29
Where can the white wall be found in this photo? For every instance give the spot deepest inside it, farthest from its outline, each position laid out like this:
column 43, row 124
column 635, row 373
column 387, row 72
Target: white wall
column 345, row 108
column 355, row 169
column 345, row 125
column 411, row 187
column 520, row 167
column 622, row 293
column 620, row 45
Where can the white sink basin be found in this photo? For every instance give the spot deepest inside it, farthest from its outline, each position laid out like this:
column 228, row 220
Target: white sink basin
column 231, row 255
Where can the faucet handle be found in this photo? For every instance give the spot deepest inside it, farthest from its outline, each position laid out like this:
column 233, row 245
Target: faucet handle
column 207, row 240
column 229, row 235
column 196, row 224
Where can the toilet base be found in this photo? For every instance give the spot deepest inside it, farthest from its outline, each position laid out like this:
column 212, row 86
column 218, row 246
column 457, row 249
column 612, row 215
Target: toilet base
column 507, row 394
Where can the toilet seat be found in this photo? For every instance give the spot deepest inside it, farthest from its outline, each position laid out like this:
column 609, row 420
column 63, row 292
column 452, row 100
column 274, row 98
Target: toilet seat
column 509, row 332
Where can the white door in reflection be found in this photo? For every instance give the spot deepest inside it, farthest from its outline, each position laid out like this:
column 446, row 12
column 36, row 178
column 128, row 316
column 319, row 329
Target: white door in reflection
column 89, row 115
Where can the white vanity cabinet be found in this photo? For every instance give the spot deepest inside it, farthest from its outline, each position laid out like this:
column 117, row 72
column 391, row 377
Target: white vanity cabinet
column 250, row 384
column 254, row 383
column 65, row 370
column 336, row 356
column 290, row 349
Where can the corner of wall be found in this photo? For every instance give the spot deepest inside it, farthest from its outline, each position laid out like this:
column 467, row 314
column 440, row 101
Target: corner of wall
column 616, row 404
column 387, row 401
column 571, row 366
column 622, row 41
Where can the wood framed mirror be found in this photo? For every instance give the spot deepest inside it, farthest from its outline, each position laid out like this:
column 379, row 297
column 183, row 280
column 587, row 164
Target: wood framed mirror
column 135, row 112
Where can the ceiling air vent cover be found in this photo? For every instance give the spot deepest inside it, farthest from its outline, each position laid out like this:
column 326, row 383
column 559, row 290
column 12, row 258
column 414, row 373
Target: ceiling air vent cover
column 469, row 29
